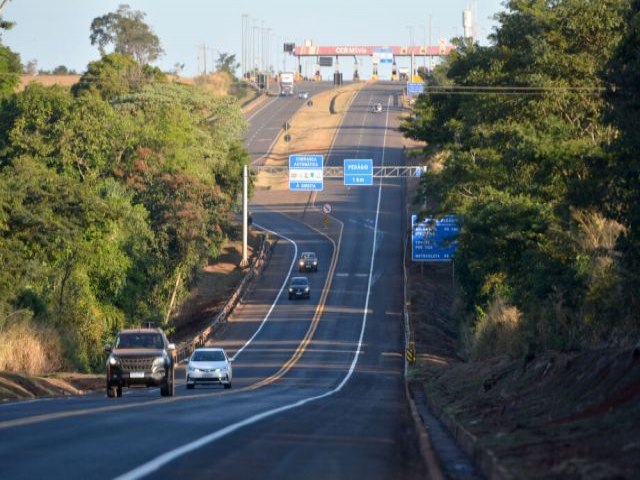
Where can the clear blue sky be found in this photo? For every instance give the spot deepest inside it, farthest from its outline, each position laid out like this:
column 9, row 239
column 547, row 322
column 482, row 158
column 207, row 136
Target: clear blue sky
column 56, row 32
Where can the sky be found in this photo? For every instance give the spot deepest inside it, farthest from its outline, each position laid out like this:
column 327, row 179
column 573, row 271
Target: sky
column 56, row 32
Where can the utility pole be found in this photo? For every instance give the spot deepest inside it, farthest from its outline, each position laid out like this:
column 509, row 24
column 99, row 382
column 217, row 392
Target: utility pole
column 245, row 216
column 430, row 56
column 204, row 58
column 243, row 61
column 2, row 5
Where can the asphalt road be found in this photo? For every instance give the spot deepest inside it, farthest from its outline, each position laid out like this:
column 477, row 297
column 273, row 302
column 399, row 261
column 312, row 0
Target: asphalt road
column 318, row 389
column 266, row 121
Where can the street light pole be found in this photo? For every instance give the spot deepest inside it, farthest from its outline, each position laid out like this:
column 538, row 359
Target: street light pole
column 2, row 5
column 245, row 216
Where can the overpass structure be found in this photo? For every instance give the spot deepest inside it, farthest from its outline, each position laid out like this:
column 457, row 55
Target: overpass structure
column 379, row 55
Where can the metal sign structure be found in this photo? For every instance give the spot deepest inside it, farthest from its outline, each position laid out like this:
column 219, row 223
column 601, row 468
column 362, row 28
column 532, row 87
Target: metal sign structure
column 434, row 241
column 338, row 172
column 326, row 208
column 368, row 51
column 358, row 172
column 306, row 173
column 414, row 89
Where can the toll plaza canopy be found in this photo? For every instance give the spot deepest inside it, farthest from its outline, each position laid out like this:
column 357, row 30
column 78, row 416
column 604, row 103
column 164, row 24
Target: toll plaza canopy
column 406, row 51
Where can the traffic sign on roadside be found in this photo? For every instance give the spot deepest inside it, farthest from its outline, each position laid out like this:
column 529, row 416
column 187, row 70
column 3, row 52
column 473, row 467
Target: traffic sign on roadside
column 434, row 241
column 326, row 208
column 414, row 89
column 358, row 172
column 306, row 172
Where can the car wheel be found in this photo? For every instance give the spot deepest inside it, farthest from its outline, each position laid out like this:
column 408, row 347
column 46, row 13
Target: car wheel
column 119, row 391
column 190, row 385
column 315, row 269
column 112, row 392
column 227, row 386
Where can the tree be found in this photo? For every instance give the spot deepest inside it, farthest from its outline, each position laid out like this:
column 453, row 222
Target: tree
column 10, row 68
column 512, row 164
column 128, row 33
column 116, row 74
column 227, row 63
column 616, row 174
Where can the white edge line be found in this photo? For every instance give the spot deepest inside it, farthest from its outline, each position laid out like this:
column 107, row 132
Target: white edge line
column 267, row 103
column 284, row 284
column 158, row 462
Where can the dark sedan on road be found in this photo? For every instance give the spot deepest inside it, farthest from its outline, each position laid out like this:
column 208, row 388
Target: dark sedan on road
column 308, row 262
column 299, row 288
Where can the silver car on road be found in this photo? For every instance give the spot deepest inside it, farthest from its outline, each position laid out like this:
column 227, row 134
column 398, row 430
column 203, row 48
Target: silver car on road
column 209, row 365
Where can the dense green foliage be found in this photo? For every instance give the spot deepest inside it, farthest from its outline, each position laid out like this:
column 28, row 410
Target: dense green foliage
column 110, row 193
column 10, row 66
column 128, row 33
column 517, row 142
column 617, row 175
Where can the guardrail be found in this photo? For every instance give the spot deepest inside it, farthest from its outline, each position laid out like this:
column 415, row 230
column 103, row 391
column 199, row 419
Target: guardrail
column 186, row 348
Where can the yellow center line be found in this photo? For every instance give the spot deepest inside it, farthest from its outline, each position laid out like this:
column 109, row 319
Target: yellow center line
column 289, row 364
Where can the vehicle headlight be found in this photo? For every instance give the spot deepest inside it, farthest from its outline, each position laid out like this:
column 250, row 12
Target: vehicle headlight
column 306, row 289
column 301, row 262
column 315, row 262
column 113, row 360
column 290, row 289
column 160, row 361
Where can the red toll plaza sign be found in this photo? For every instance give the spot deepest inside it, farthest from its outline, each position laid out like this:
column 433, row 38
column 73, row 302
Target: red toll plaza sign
column 397, row 51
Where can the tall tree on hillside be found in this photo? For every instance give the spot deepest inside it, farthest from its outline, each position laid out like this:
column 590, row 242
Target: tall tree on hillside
column 128, row 33
column 10, row 66
column 618, row 173
column 227, row 63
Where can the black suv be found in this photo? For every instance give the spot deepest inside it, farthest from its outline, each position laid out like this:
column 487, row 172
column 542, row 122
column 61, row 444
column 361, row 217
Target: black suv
column 141, row 357
column 308, row 261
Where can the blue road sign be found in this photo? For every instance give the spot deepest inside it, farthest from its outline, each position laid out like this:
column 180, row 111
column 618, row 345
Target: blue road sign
column 306, row 172
column 414, row 89
column 383, row 55
column 358, row 172
column 434, row 241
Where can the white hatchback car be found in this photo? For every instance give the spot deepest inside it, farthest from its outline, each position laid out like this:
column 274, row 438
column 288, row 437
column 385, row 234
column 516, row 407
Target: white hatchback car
column 209, row 365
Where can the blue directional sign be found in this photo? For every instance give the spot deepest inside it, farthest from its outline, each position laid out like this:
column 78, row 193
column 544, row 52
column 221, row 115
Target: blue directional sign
column 305, row 172
column 414, row 89
column 383, row 55
column 358, row 172
column 434, row 241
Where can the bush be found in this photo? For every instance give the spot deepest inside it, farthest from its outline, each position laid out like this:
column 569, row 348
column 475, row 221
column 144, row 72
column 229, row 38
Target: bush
column 498, row 331
column 29, row 348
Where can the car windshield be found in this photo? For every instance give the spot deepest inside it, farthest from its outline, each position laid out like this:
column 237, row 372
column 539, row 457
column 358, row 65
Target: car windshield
column 139, row 340
column 299, row 282
column 308, row 256
column 208, row 356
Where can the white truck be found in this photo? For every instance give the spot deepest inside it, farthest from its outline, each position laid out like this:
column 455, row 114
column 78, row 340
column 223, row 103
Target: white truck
column 286, row 84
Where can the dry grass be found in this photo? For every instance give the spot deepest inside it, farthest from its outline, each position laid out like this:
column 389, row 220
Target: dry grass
column 311, row 129
column 29, row 348
column 48, row 80
column 497, row 332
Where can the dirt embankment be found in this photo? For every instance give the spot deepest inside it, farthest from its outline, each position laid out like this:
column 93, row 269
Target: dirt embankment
column 554, row 415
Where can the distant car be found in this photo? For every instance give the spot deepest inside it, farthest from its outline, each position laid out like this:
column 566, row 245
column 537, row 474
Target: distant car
column 308, row 262
column 376, row 108
column 299, row 288
column 209, row 365
column 303, row 95
column 141, row 357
